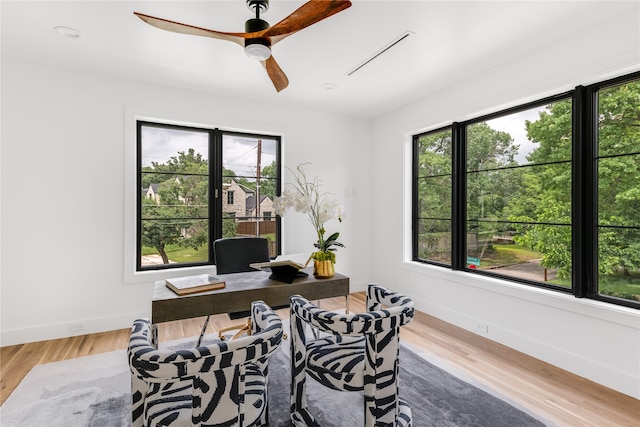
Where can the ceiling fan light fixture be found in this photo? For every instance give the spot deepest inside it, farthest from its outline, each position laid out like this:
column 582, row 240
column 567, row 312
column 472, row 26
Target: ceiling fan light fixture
column 257, row 49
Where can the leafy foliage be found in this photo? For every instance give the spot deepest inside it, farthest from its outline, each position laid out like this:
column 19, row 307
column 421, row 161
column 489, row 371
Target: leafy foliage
column 533, row 202
column 326, row 247
column 179, row 215
column 434, row 195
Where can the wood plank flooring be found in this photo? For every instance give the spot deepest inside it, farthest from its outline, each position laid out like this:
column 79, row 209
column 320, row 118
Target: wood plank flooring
column 557, row 395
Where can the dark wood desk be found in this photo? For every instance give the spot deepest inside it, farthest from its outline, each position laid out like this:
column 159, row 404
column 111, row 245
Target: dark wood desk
column 240, row 290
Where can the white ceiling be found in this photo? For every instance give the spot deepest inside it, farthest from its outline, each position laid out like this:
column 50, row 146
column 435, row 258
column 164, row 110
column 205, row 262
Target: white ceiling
column 452, row 41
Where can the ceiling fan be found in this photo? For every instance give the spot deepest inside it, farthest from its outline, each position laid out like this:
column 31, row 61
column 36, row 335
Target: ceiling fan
column 259, row 37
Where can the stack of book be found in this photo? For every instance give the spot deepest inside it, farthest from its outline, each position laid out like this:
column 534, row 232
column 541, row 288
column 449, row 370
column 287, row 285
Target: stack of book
column 192, row 284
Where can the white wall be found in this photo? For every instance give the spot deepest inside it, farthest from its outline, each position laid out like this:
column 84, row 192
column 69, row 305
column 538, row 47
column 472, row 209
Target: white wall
column 64, row 186
column 67, row 144
column 595, row 340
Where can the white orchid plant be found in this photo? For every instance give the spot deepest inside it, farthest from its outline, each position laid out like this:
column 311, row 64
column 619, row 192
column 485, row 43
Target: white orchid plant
column 304, row 196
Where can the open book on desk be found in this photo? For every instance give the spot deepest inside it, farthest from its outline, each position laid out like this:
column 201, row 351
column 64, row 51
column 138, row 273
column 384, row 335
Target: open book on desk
column 285, row 268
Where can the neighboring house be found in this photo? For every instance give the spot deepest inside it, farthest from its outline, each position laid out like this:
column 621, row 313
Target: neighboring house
column 153, row 192
column 240, row 201
column 266, row 207
column 237, row 200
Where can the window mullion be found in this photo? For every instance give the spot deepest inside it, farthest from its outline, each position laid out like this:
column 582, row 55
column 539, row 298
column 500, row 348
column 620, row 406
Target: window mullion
column 584, row 205
column 459, row 197
column 216, row 185
column 414, row 197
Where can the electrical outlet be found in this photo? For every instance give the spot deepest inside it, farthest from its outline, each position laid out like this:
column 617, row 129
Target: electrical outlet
column 76, row 327
column 483, row 328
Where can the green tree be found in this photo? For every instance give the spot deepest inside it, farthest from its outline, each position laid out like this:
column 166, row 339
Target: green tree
column 490, row 182
column 228, row 175
column 544, row 200
column 619, row 178
column 434, row 195
column 268, row 181
column 546, row 191
column 179, row 216
column 490, row 186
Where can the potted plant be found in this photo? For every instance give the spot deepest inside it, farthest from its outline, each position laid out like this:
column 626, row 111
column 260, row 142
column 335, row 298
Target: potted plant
column 304, row 196
column 325, row 257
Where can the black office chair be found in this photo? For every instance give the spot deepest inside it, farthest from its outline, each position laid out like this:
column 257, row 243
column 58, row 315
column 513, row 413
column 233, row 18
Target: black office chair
column 233, row 255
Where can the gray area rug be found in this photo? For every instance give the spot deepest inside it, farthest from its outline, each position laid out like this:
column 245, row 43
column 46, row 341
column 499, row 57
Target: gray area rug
column 93, row 391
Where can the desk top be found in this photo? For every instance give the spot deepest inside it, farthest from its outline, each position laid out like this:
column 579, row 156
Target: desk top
column 241, row 289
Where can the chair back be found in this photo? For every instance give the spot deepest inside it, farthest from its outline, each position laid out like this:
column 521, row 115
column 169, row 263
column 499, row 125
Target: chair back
column 361, row 353
column 224, row 383
column 234, row 254
column 386, row 310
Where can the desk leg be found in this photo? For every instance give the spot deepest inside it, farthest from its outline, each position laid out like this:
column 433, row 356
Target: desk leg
column 346, row 297
column 204, row 328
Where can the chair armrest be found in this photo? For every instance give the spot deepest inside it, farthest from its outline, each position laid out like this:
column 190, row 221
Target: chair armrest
column 154, row 365
column 377, row 296
column 350, row 324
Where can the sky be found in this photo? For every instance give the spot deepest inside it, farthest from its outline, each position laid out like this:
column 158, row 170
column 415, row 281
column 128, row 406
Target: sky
column 159, row 144
column 239, row 153
column 514, row 124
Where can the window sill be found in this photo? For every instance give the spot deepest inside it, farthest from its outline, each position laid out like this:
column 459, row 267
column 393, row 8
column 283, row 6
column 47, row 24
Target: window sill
column 584, row 306
column 153, row 276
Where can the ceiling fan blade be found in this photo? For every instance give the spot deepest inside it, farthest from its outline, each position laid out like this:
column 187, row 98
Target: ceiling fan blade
column 277, row 76
column 176, row 27
column 308, row 14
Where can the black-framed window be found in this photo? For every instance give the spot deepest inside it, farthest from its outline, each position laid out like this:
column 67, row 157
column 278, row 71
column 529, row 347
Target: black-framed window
column 432, row 224
column 617, row 172
column 546, row 194
column 251, row 170
column 183, row 179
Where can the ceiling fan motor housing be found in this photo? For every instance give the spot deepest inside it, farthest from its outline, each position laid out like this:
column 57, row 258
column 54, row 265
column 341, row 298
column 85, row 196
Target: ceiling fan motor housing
column 255, row 25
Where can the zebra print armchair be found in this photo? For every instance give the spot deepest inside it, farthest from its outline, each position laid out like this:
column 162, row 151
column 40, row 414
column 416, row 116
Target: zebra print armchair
column 221, row 384
column 352, row 352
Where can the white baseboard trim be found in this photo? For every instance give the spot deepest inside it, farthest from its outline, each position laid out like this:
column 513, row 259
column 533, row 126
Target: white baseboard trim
column 608, row 376
column 68, row 329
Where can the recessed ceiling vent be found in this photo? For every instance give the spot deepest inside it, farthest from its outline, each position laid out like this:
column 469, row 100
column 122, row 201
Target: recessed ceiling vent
column 382, row 50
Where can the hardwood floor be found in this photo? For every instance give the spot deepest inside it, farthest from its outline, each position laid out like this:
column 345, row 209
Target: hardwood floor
column 557, row 395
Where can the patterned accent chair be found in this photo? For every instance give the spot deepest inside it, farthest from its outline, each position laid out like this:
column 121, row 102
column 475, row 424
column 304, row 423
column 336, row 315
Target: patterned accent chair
column 352, row 352
column 220, row 384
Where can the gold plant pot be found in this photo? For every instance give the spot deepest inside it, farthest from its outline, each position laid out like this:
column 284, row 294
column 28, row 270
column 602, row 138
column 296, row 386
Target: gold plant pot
column 323, row 269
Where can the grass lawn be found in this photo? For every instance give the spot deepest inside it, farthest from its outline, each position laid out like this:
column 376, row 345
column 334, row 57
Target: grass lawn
column 621, row 286
column 178, row 254
column 508, row 255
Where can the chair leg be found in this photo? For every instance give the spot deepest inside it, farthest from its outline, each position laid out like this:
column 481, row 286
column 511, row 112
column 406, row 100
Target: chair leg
column 299, row 415
column 204, row 328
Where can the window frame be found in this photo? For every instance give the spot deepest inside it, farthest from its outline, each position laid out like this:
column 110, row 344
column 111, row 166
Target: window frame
column 588, row 97
column 584, row 185
column 215, row 204
column 416, row 214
